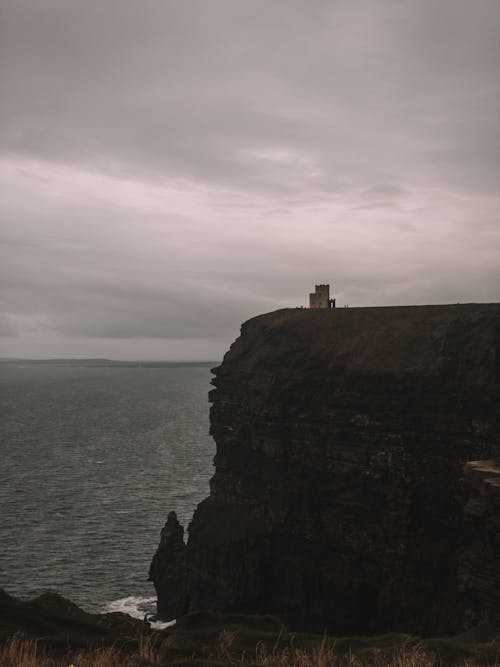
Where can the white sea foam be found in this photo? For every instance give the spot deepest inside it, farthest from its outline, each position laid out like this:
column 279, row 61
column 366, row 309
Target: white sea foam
column 161, row 625
column 138, row 607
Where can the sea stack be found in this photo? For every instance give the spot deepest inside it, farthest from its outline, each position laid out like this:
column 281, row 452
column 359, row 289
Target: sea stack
column 339, row 500
column 168, row 570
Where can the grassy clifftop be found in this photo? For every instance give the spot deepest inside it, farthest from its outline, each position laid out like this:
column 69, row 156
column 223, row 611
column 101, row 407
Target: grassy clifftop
column 397, row 339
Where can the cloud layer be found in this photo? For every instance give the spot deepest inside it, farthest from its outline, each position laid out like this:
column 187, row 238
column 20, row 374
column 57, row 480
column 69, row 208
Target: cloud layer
column 171, row 169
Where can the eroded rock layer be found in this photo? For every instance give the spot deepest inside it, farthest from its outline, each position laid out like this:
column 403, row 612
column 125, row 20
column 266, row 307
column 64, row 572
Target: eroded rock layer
column 338, row 500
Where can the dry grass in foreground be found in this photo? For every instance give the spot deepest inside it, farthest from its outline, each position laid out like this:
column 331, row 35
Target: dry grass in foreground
column 155, row 652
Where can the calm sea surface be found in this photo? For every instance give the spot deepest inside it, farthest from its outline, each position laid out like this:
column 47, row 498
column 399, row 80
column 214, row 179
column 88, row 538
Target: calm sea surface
column 92, row 458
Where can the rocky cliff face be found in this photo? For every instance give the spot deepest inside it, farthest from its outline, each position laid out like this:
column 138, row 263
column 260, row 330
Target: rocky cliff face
column 479, row 562
column 338, row 497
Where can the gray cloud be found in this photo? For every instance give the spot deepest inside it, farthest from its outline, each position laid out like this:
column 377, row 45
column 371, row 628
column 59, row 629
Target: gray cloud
column 171, row 169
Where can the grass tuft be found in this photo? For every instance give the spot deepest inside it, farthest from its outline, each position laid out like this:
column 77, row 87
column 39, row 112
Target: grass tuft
column 158, row 651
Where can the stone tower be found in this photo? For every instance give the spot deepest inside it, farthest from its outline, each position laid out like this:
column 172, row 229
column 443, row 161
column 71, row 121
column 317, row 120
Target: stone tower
column 320, row 298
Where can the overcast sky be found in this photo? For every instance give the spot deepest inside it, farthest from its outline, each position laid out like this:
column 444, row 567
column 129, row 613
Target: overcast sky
column 172, row 168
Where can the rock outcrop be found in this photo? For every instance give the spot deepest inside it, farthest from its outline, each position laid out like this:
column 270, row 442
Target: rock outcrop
column 57, row 622
column 168, row 570
column 479, row 565
column 338, row 499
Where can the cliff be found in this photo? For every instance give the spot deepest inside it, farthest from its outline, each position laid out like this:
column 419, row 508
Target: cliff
column 338, row 499
column 479, row 563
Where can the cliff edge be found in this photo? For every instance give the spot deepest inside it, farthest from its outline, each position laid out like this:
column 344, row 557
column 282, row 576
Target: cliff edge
column 339, row 499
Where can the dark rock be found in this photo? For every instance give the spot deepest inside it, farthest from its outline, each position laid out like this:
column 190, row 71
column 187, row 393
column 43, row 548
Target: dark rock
column 337, row 501
column 57, row 622
column 168, row 570
column 479, row 565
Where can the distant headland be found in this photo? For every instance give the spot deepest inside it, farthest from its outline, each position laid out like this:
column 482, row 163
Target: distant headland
column 101, row 362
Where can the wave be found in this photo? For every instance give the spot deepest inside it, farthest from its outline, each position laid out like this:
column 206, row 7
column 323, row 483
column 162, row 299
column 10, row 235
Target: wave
column 141, row 607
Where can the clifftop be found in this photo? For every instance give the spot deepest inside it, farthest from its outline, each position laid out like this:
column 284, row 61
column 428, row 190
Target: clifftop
column 399, row 339
column 339, row 499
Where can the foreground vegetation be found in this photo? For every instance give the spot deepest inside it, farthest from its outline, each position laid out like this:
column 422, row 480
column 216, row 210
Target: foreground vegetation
column 50, row 631
column 157, row 651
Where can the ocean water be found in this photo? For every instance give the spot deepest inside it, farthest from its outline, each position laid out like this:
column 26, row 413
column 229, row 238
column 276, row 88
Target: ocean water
column 92, row 459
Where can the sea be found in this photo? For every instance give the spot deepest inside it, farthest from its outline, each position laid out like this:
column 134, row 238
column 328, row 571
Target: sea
column 93, row 456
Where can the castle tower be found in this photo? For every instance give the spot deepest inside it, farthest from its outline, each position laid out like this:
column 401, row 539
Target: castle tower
column 320, row 298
